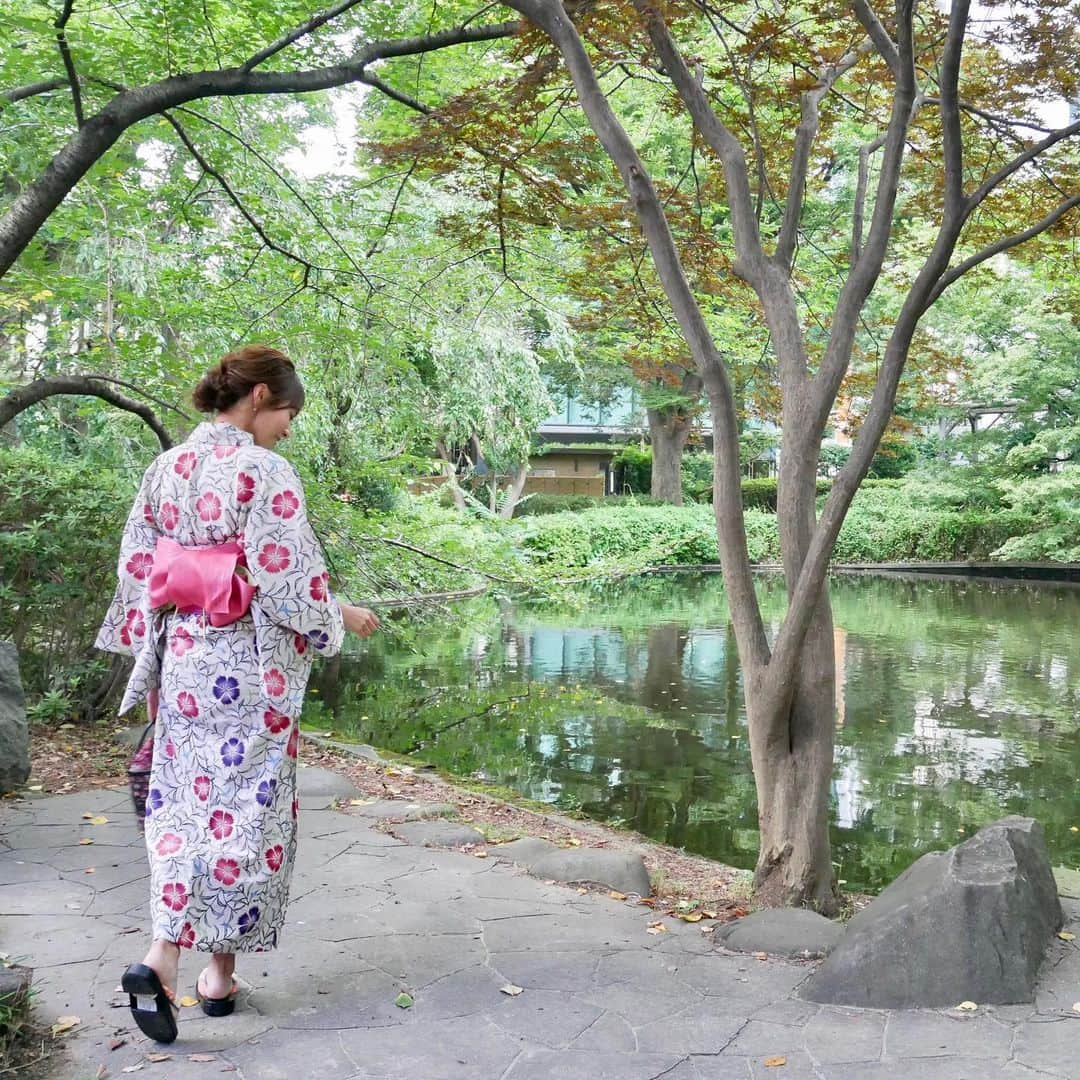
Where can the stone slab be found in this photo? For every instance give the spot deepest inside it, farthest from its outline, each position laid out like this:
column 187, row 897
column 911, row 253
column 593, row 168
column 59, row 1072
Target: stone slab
column 793, row 932
column 620, row 870
column 446, row 834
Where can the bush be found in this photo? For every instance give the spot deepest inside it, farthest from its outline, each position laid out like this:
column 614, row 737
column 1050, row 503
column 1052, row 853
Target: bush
column 543, row 503
column 648, row 535
column 760, row 494
column 60, row 526
column 636, row 465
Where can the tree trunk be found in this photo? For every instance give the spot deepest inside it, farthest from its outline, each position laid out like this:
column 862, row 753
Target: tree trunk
column 668, row 429
column 514, row 490
column 793, row 777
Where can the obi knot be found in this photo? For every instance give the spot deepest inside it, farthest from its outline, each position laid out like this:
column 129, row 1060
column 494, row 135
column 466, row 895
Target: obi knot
column 201, row 579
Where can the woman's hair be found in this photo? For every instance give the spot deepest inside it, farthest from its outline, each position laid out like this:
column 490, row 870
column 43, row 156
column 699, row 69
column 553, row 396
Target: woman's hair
column 237, row 372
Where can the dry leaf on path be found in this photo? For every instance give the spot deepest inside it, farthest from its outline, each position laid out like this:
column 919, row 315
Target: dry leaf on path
column 84, row 841
column 187, row 1001
column 512, row 990
column 692, row 916
column 133, row 1068
column 1066, row 936
column 115, row 1044
column 775, row 1062
column 616, row 895
column 98, row 819
column 155, row 1058
column 656, row 928
column 101, row 1073
column 967, row 1006
column 201, row 1057
column 65, row 1023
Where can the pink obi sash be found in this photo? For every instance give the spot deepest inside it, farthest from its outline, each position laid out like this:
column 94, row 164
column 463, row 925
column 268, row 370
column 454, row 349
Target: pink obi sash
column 201, row 579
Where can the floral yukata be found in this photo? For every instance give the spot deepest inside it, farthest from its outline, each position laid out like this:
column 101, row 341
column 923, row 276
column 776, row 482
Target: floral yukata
column 221, row 809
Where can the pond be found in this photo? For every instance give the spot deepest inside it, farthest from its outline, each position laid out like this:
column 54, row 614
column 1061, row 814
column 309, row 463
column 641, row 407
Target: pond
column 959, row 702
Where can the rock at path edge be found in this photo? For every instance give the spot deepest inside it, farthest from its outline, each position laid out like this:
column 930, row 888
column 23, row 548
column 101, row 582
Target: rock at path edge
column 14, row 735
column 968, row 924
column 791, row 932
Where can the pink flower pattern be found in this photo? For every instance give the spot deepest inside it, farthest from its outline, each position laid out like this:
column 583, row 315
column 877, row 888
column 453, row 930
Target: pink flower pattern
column 208, row 506
column 218, row 853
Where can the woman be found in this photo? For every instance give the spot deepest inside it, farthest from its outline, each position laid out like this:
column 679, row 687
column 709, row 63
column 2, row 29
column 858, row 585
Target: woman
column 223, row 600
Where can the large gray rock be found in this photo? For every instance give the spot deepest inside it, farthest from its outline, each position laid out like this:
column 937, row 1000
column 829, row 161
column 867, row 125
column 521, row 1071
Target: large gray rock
column 793, row 932
column 968, row 924
column 14, row 737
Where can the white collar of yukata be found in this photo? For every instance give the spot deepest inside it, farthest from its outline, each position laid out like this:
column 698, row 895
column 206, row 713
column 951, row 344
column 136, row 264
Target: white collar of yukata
column 220, row 432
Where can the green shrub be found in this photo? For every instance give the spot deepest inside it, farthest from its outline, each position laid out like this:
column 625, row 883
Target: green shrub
column 60, row 526
column 636, row 465
column 675, row 535
column 543, row 503
column 760, row 494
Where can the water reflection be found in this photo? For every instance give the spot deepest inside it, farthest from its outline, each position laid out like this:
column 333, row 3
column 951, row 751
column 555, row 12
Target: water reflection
column 957, row 702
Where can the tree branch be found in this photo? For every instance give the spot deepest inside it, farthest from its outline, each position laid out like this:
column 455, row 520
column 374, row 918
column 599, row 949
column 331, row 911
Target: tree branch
column 297, row 33
column 31, row 208
column 952, row 137
column 884, row 44
column 22, row 397
column 804, row 140
column 69, row 63
column 396, row 95
column 18, row 93
column 1002, row 244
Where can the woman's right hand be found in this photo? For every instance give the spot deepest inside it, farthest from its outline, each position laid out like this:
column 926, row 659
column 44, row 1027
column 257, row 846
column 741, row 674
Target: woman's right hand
column 359, row 620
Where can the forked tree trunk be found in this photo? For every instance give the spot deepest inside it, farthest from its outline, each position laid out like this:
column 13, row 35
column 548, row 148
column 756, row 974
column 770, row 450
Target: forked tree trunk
column 793, row 779
column 514, row 490
column 668, row 429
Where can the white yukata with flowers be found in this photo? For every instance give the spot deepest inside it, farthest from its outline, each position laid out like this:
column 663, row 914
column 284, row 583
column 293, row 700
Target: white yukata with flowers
column 221, row 810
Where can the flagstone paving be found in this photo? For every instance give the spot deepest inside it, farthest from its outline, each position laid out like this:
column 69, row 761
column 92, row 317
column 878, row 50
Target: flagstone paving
column 373, row 917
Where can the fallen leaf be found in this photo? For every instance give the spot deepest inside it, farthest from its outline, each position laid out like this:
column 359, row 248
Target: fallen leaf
column 101, row 1073
column 65, row 1023
column 480, row 854
column 1066, row 936
column 656, row 928
column 403, row 1001
column 761, row 956
column 90, row 870
column 187, row 1001
column 98, row 819
column 512, row 990
column 36, row 787
column 616, row 895
column 967, row 1006
column 155, row 1058
column 708, row 914
column 583, row 892
column 775, row 1062
column 360, row 802
column 131, row 930
column 133, row 1068
column 708, row 929
column 115, row 1044
column 84, row 841
column 692, row 916
column 201, row 1057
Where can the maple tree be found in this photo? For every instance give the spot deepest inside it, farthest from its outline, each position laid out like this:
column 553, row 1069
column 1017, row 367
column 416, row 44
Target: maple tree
column 986, row 188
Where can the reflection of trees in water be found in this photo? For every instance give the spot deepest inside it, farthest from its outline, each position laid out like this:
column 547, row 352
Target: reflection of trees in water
column 961, row 703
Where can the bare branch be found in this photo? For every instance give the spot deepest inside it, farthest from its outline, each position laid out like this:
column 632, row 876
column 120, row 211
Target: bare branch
column 804, row 141
column 884, row 44
column 396, row 95
column 22, row 397
column 749, row 253
column 297, row 33
column 149, row 397
column 1018, row 162
column 952, row 137
column 859, row 210
column 69, row 63
column 1004, row 243
column 18, row 93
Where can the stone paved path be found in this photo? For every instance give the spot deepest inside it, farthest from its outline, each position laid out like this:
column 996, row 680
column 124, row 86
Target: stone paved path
column 372, row 916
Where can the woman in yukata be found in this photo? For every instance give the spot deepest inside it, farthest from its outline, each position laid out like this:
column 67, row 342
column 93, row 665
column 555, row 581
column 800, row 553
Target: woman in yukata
column 223, row 601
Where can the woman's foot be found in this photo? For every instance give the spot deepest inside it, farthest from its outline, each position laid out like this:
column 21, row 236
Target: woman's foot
column 216, row 987
column 152, row 1003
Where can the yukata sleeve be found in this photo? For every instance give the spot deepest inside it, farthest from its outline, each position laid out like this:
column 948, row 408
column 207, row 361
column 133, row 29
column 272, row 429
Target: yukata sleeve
column 127, row 620
column 286, row 563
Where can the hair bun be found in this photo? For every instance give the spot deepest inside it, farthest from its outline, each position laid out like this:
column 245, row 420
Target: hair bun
column 211, row 391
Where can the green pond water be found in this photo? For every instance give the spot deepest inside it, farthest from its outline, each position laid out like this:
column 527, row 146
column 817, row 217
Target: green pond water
column 960, row 703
